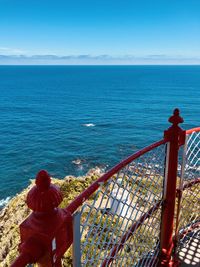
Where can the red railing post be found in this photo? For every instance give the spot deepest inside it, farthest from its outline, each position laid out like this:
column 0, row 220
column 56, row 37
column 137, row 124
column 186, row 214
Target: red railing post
column 47, row 232
column 175, row 136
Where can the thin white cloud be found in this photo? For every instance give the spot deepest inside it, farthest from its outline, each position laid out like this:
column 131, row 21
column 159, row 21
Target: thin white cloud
column 86, row 59
column 11, row 51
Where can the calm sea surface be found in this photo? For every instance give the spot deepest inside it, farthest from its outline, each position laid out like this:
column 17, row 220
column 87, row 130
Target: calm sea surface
column 68, row 119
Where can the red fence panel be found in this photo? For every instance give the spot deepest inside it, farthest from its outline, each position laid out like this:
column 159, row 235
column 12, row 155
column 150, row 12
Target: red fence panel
column 188, row 223
column 120, row 223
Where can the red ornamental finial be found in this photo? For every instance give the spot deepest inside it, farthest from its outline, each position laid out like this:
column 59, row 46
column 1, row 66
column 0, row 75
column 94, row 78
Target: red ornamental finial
column 43, row 180
column 175, row 119
column 44, row 196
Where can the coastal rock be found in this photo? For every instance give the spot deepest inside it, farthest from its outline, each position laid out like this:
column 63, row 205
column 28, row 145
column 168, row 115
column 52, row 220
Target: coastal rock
column 10, row 218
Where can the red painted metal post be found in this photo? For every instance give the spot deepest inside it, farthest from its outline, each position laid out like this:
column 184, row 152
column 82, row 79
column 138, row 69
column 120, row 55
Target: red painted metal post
column 47, row 232
column 175, row 136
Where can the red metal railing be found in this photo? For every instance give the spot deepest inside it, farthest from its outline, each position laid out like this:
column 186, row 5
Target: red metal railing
column 72, row 207
column 188, row 198
column 131, row 216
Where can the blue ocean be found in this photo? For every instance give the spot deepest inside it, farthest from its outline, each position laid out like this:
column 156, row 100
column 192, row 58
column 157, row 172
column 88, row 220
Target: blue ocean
column 69, row 119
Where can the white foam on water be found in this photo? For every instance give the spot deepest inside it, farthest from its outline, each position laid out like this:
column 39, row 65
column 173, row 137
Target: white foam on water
column 77, row 161
column 4, row 201
column 89, row 125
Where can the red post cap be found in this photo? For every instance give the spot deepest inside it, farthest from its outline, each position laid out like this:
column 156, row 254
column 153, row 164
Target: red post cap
column 175, row 131
column 175, row 119
column 44, row 196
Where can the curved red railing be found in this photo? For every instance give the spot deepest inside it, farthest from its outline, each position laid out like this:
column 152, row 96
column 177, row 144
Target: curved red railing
column 74, row 205
column 184, row 227
column 22, row 260
column 191, row 183
column 197, row 129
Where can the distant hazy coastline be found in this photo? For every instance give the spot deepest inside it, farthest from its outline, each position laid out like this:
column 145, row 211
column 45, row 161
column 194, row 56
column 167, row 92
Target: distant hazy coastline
column 98, row 60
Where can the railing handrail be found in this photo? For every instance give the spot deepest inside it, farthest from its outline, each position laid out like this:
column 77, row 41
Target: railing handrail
column 191, row 183
column 196, row 129
column 82, row 197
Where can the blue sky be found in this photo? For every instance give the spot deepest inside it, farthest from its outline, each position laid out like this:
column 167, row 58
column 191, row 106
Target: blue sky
column 103, row 31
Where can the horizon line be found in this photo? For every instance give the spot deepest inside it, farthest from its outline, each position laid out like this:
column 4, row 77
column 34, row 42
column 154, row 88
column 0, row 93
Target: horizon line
column 103, row 65
column 103, row 59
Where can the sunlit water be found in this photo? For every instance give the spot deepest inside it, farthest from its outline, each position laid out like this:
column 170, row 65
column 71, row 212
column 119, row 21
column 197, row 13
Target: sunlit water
column 68, row 119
